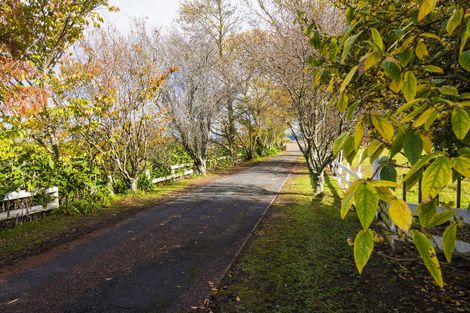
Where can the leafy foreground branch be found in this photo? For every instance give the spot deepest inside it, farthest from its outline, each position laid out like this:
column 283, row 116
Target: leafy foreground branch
column 401, row 69
column 299, row 262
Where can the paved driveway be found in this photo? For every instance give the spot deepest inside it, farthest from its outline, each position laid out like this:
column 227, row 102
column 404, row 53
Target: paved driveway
column 159, row 260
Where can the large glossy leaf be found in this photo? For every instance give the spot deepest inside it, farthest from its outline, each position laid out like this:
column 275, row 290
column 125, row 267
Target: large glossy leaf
column 363, row 247
column 349, row 149
column 384, row 127
column 462, row 165
column 339, row 143
column 464, row 60
column 454, row 21
column 460, row 123
column 412, row 147
column 442, row 218
column 347, row 79
column 389, row 173
column 397, row 144
column 359, row 133
column 448, row 241
column 392, row 69
column 377, row 39
column 410, row 86
column 422, row 50
column 343, row 102
column 427, row 6
column 436, row 177
column 401, row 214
column 366, row 201
column 348, row 199
column 428, row 255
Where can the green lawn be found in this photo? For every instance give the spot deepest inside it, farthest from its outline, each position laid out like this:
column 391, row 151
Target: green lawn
column 448, row 195
column 299, row 262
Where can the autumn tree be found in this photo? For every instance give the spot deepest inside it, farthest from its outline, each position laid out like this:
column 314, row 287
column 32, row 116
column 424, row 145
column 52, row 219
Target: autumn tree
column 112, row 91
column 194, row 95
column 219, row 21
column 285, row 55
column 34, row 36
column 261, row 107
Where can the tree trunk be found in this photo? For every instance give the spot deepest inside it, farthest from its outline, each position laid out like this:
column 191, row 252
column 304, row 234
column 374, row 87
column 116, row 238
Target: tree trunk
column 134, row 184
column 110, row 185
column 201, row 166
column 319, row 183
column 231, row 131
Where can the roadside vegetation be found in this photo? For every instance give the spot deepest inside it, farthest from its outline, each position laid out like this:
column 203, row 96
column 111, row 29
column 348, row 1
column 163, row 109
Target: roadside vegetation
column 294, row 265
column 41, row 232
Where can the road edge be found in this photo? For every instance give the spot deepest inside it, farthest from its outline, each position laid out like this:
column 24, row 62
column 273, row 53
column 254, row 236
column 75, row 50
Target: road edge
column 253, row 230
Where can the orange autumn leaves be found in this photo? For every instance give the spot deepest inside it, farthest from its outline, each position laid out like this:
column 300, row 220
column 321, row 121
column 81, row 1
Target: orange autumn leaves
column 18, row 95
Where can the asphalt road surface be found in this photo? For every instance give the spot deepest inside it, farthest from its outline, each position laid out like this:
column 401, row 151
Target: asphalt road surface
column 159, row 260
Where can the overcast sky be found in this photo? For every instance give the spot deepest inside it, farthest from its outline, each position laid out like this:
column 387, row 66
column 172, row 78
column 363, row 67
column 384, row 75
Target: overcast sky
column 158, row 12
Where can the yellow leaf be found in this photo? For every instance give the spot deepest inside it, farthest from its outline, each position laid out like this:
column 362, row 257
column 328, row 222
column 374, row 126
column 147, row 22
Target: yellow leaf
column 348, row 199
column 422, row 50
column 347, row 79
column 436, row 177
column 428, row 255
column 433, row 69
column 454, row 21
column 359, row 133
column 384, row 127
column 363, row 247
column 462, row 165
column 342, row 102
column 395, row 86
column 410, row 86
column 401, row 214
column 368, row 61
column 427, row 6
column 427, row 143
column 429, row 113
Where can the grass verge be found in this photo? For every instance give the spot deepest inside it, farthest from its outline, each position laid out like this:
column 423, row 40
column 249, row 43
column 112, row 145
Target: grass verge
column 299, row 261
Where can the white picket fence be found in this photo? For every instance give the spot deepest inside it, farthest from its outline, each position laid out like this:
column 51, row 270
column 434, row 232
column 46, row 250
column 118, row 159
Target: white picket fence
column 26, row 210
column 345, row 175
column 187, row 171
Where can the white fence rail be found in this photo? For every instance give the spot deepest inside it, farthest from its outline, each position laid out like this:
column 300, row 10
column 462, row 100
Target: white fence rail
column 187, row 171
column 26, row 209
column 345, row 175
